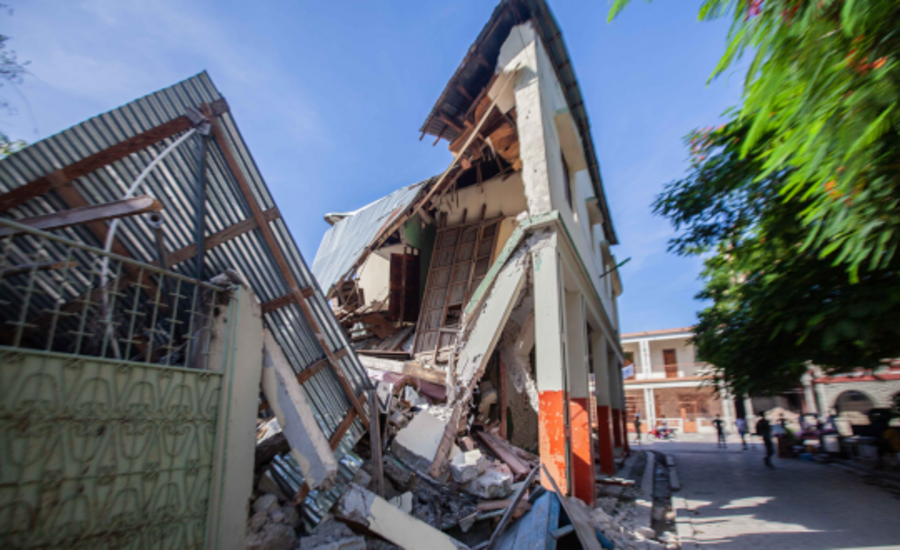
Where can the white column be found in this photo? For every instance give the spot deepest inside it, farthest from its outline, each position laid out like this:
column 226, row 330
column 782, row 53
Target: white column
column 646, row 366
column 650, row 407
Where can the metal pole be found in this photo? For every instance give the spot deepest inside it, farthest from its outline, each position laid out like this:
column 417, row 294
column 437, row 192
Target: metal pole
column 199, row 224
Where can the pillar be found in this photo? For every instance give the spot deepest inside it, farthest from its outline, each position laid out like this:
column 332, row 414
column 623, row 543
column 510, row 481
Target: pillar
column 235, row 350
column 582, row 448
column 617, row 404
column 649, row 410
column 549, row 366
column 625, row 448
column 646, row 364
column 604, row 411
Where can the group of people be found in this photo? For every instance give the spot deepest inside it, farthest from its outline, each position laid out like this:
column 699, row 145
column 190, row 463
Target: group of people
column 763, row 430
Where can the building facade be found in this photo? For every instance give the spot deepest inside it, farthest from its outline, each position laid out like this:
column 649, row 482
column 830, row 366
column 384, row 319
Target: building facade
column 665, row 380
column 497, row 275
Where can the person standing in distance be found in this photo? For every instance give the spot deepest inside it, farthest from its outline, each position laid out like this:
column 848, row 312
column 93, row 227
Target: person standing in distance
column 764, row 430
column 720, row 431
column 637, row 428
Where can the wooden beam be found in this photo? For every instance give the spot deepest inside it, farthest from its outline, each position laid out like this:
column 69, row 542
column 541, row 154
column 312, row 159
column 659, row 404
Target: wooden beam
column 286, row 299
column 92, row 213
column 341, row 430
column 220, row 237
column 314, row 369
column 450, row 122
column 27, row 268
column 278, row 303
column 85, row 166
column 285, row 269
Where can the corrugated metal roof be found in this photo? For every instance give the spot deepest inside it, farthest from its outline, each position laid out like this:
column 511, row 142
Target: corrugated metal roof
column 477, row 68
column 173, row 183
column 343, row 244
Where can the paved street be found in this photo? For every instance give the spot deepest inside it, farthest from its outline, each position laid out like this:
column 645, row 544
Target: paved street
column 736, row 502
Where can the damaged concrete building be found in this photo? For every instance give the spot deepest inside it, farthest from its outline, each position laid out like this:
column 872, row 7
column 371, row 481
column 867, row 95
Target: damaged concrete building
column 168, row 358
column 492, row 285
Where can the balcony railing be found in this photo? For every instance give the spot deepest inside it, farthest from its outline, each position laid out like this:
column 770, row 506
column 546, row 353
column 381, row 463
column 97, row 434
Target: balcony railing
column 678, row 370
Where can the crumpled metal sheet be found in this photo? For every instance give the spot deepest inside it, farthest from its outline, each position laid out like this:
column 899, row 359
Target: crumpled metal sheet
column 343, row 244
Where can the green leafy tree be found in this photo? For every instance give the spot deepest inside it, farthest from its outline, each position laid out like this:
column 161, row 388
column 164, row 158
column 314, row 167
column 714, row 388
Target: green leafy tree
column 821, row 100
column 794, row 203
column 11, row 72
column 775, row 305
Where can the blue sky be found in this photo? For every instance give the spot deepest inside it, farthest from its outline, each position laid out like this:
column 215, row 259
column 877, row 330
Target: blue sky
column 330, row 97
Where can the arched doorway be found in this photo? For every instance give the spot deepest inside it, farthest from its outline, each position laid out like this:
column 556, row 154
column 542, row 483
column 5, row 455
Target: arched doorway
column 853, row 405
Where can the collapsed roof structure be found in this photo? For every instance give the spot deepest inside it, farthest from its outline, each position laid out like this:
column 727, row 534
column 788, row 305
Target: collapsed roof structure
column 237, row 227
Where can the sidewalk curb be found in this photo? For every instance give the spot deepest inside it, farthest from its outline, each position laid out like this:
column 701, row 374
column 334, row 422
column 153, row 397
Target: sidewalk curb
column 684, row 527
column 674, row 481
column 643, row 516
column 649, row 475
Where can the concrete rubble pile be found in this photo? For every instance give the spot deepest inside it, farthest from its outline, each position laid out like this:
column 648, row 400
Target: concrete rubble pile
column 461, row 508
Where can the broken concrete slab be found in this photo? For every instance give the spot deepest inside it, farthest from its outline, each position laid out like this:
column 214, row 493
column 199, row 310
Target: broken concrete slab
column 332, row 535
column 492, row 484
column 369, row 511
column 291, row 516
column 274, row 536
column 467, row 466
column 309, row 446
column 258, row 520
column 265, row 503
column 403, row 502
column 417, row 443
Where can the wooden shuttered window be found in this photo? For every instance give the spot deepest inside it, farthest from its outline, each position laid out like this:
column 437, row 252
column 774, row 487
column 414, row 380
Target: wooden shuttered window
column 403, row 304
column 462, row 257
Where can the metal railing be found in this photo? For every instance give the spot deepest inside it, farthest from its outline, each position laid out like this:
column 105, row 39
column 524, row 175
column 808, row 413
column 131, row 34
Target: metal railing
column 51, row 300
column 110, row 410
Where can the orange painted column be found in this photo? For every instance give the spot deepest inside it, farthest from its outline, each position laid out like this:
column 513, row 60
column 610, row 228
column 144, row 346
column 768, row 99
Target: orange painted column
column 605, row 437
column 578, row 383
column 618, row 435
column 552, row 438
column 583, row 476
column 550, row 366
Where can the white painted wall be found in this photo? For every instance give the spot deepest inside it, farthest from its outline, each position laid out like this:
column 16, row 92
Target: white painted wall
column 542, row 110
column 375, row 278
column 503, row 197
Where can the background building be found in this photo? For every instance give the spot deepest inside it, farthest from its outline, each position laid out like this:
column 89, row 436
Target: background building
column 667, row 380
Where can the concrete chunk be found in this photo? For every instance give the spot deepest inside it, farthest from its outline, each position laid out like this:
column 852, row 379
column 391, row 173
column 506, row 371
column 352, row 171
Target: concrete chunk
column 467, row 466
column 332, row 535
column 265, row 503
column 418, row 442
column 490, row 485
column 274, row 536
column 309, row 446
column 404, row 502
column 372, row 512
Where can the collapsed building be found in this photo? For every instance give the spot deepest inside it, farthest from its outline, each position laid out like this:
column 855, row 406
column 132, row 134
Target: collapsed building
column 167, row 357
column 495, row 279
